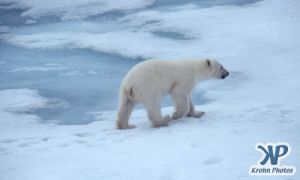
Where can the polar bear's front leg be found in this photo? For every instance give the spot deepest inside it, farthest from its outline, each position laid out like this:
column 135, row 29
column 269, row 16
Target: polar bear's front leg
column 193, row 112
column 182, row 105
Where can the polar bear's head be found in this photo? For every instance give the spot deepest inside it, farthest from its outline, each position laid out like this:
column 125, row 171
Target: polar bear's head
column 216, row 69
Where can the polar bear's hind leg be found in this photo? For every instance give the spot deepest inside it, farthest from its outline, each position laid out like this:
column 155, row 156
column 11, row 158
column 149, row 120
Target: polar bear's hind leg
column 154, row 113
column 125, row 108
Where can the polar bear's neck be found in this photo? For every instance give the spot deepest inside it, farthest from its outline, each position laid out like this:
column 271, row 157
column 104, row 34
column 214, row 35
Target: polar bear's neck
column 201, row 70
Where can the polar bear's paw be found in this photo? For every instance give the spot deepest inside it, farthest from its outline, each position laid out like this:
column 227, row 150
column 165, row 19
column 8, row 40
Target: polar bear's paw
column 124, row 126
column 131, row 126
column 163, row 122
column 196, row 114
column 128, row 127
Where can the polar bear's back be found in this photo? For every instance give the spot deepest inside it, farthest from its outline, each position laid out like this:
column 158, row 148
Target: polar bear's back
column 149, row 74
column 157, row 76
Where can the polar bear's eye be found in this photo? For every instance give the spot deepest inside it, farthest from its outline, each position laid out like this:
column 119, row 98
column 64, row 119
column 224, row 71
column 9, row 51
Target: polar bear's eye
column 208, row 62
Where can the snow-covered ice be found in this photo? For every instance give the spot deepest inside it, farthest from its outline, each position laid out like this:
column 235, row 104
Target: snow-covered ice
column 61, row 65
column 75, row 9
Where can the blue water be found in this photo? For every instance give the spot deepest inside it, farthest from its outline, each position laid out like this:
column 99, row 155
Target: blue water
column 77, row 82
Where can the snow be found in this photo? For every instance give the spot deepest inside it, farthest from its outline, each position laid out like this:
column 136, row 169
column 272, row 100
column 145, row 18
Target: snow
column 16, row 106
column 73, row 9
column 41, row 68
column 111, row 42
column 258, row 43
column 213, row 32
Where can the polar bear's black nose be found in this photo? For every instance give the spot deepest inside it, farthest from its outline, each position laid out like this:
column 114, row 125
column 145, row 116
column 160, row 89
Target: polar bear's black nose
column 225, row 75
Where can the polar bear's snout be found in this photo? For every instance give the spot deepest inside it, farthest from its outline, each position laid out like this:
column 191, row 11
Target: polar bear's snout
column 224, row 74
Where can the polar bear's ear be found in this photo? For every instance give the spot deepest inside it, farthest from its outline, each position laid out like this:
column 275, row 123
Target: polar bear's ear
column 208, row 62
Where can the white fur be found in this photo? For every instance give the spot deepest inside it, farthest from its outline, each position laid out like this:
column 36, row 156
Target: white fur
column 149, row 81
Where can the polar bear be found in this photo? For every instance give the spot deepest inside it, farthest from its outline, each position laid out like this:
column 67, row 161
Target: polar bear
column 148, row 81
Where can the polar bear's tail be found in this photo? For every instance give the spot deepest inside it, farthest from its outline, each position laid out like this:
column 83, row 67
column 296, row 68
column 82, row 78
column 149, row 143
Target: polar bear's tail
column 126, row 106
column 128, row 92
